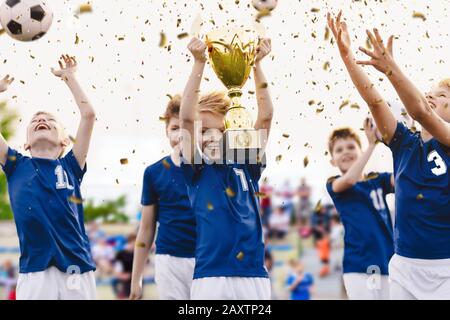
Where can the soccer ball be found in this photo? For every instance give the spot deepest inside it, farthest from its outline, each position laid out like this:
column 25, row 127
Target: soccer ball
column 26, row 20
column 265, row 5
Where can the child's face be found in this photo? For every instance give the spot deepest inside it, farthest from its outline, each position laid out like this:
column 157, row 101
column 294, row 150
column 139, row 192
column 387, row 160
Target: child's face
column 439, row 99
column 212, row 132
column 173, row 131
column 345, row 153
column 45, row 128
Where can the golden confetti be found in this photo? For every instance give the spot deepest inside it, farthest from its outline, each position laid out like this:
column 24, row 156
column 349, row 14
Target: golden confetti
column 77, row 39
column 327, row 34
column 230, row 193
column 263, row 85
column 318, row 207
column 182, row 35
column 12, row 158
column 124, row 161
column 162, row 40
column 75, row 200
column 320, row 110
column 326, row 65
column 419, row 196
column 372, row 175
column 419, row 15
column 315, row 10
column 140, row 245
column 240, row 256
column 355, row 106
column 285, row 135
column 85, row 8
column 305, row 162
column 166, row 164
column 278, row 158
column 344, row 104
column 210, row 207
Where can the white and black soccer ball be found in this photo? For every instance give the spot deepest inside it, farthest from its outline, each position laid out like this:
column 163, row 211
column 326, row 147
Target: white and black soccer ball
column 26, row 20
column 264, row 5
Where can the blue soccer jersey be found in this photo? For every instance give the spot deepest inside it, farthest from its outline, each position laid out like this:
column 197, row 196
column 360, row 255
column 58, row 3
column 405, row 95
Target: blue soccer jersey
column 303, row 289
column 368, row 238
column 422, row 183
column 164, row 186
column 229, row 232
column 46, row 202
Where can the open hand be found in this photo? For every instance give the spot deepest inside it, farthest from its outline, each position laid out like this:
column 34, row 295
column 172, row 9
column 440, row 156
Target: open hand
column 340, row 33
column 382, row 56
column 67, row 65
column 5, row 82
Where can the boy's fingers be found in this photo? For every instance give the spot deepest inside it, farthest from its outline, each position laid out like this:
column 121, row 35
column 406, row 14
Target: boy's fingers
column 338, row 19
column 368, row 52
column 61, row 64
column 372, row 39
column 378, row 37
column 366, row 63
column 390, row 45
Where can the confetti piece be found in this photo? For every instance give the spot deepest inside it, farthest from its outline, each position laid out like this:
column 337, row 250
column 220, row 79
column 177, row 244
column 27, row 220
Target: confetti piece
column 372, row 175
column 278, row 158
column 419, row 196
column 12, row 158
column 419, row 15
column 315, row 10
column 75, row 200
column 305, row 162
column 166, row 164
column 182, row 35
column 162, row 40
column 355, row 106
column 240, row 256
column 344, row 104
column 326, row 66
column 285, row 135
column 72, row 139
column 327, row 34
column 124, row 161
column 77, row 39
column 140, row 245
column 210, row 207
column 318, row 207
column 85, row 8
column 263, row 85
column 230, row 192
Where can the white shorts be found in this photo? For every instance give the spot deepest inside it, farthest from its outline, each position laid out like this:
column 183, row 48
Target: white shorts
column 173, row 277
column 363, row 286
column 53, row 284
column 419, row 279
column 231, row 288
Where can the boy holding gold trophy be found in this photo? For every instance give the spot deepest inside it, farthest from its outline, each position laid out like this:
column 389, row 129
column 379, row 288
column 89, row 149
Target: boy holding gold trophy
column 222, row 164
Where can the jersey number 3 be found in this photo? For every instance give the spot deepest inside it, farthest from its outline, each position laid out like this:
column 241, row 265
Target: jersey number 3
column 441, row 167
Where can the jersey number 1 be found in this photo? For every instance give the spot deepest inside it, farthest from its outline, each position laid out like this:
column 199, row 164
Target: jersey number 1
column 241, row 174
column 62, row 181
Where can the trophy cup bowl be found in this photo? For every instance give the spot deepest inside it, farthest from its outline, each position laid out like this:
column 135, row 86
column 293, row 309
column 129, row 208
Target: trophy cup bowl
column 232, row 54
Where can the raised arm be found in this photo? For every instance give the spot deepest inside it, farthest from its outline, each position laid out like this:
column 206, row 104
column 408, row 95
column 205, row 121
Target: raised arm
column 354, row 174
column 4, row 83
column 265, row 106
column 144, row 241
column 385, row 120
column 414, row 101
column 189, row 101
column 68, row 66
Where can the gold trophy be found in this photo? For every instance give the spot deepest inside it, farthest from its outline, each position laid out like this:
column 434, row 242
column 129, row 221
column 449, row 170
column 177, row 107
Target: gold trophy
column 232, row 54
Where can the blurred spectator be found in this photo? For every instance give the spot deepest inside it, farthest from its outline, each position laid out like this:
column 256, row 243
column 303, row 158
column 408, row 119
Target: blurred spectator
column 8, row 276
column 299, row 283
column 103, row 254
column 269, row 262
column 278, row 224
column 286, row 195
column 95, row 233
column 266, row 202
column 321, row 231
column 304, row 195
column 123, row 267
column 337, row 243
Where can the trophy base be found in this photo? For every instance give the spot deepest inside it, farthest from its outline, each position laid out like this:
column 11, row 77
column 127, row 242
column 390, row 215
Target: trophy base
column 243, row 146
